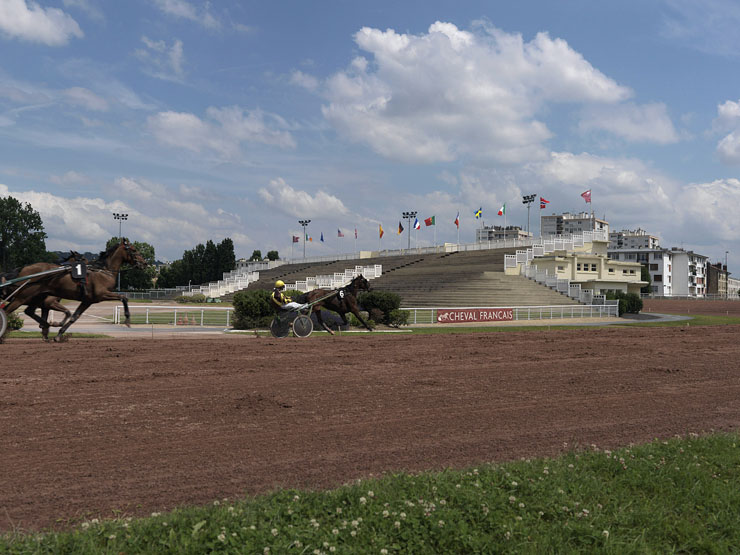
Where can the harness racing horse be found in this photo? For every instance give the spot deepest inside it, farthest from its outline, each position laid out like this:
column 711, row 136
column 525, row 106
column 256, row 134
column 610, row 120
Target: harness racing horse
column 100, row 283
column 341, row 301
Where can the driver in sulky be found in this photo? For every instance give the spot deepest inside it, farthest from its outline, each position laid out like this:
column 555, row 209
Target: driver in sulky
column 280, row 301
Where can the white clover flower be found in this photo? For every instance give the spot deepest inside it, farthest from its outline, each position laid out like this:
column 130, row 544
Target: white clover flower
column 507, row 535
column 441, row 523
column 442, row 502
column 216, row 503
column 274, row 531
column 85, row 525
column 605, row 533
column 397, row 524
column 385, row 514
column 512, row 499
column 363, row 500
column 384, row 551
column 402, row 515
column 355, row 523
column 332, row 548
column 266, row 550
column 370, row 493
column 518, row 518
column 112, row 537
column 521, row 505
column 221, row 537
column 335, row 531
column 253, row 527
column 96, row 521
column 514, row 484
column 353, row 533
column 296, row 498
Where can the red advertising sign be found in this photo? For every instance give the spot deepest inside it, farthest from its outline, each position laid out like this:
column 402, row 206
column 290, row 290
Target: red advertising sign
column 458, row 315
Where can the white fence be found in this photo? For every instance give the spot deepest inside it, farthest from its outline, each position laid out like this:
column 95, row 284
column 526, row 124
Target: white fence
column 606, row 310
column 177, row 315
column 337, row 279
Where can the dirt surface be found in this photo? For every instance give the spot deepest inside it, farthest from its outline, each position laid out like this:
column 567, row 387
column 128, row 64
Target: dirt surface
column 689, row 307
column 112, row 427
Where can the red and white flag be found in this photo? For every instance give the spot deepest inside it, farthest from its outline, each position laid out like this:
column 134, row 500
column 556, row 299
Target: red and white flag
column 543, row 203
column 586, row 195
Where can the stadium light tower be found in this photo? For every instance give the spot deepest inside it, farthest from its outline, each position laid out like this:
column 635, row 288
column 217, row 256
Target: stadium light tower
column 528, row 200
column 304, row 223
column 120, row 217
column 408, row 216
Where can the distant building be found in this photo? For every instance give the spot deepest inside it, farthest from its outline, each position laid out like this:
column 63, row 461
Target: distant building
column 629, row 239
column 733, row 287
column 498, row 233
column 717, row 275
column 569, row 224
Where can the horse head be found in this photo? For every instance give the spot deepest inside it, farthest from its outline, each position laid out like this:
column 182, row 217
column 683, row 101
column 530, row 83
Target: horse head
column 360, row 283
column 133, row 256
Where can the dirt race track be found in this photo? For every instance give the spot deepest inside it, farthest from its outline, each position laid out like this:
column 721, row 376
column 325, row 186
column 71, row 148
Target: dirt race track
column 99, row 428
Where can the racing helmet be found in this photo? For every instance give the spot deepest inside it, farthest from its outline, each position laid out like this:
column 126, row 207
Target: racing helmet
column 279, row 284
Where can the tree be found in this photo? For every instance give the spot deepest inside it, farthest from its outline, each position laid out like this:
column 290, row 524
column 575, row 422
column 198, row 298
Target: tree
column 22, row 236
column 210, row 262
column 135, row 278
column 273, row 255
column 226, row 256
column 645, row 276
column 256, row 256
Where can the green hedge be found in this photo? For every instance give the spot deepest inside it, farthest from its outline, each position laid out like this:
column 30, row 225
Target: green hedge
column 382, row 306
column 253, row 309
column 15, row 322
column 629, row 303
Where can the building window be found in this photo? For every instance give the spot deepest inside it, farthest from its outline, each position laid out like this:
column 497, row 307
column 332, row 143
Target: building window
column 593, row 267
column 578, row 267
column 611, row 270
column 658, row 277
column 632, row 272
column 657, row 255
column 653, row 266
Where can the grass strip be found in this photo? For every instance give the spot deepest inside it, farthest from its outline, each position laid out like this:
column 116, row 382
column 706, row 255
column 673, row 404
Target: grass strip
column 667, row 496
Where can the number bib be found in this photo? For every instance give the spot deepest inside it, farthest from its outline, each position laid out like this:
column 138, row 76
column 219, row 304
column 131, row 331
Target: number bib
column 79, row 271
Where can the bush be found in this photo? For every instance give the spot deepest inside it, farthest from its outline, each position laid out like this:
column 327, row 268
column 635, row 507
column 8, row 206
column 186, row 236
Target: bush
column 253, row 309
column 15, row 322
column 398, row 318
column 629, row 303
column 191, row 299
column 379, row 303
column 355, row 323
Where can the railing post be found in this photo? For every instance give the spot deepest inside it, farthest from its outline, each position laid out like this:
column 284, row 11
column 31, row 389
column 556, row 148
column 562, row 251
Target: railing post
column 147, row 315
column 202, row 313
column 174, row 319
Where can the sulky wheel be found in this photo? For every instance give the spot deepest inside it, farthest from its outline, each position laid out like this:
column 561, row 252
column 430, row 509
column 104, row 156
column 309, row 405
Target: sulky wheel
column 302, row 326
column 3, row 323
column 280, row 327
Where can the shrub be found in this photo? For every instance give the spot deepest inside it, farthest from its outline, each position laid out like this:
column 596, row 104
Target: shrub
column 191, row 299
column 355, row 323
column 383, row 302
column 629, row 303
column 15, row 322
column 398, row 318
column 253, row 309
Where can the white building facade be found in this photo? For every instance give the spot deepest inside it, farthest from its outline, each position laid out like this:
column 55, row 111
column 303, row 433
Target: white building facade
column 571, row 224
column 633, row 239
column 498, row 233
column 673, row 272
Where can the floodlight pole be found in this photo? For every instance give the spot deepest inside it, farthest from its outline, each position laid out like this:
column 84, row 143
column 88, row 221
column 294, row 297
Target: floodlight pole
column 408, row 216
column 528, row 200
column 304, row 223
column 120, row 218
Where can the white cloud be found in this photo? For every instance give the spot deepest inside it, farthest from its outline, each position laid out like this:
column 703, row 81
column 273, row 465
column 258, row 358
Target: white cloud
column 707, row 25
column 451, row 93
column 93, row 12
column 304, row 80
column 162, row 61
column 712, row 208
column 223, row 132
column 186, row 10
column 646, row 123
column 728, row 119
column 80, row 96
column 300, row 204
column 31, row 22
column 70, row 178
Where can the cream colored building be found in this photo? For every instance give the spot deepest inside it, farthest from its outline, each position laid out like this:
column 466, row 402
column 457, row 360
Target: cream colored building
column 592, row 269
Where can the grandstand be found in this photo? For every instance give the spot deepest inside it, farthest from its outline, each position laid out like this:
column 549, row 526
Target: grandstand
column 450, row 279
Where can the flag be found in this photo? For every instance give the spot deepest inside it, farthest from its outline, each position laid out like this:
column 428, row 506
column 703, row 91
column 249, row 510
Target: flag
column 457, row 220
column 400, row 228
column 380, row 230
column 417, row 225
column 310, row 239
column 586, row 195
column 502, row 210
column 322, row 236
column 430, row 221
column 307, row 237
column 543, row 203
column 479, row 213
column 355, row 233
column 339, row 233
column 296, row 239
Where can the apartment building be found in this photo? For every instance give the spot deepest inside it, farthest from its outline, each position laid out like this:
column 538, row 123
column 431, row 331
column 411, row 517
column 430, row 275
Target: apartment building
column 717, row 275
column 633, row 239
column 569, row 224
column 499, row 232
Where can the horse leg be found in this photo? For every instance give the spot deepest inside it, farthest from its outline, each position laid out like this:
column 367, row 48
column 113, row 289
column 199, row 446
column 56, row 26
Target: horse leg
column 109, row 296
column 43, row 324
column 59, row 307
column 317, row 312
column 80, row 309
column 356, row 312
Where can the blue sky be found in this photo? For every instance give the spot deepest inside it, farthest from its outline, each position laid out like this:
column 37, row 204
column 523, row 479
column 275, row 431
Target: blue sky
column 205, row 120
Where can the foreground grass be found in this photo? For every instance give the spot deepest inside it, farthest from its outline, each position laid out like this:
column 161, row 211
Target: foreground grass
column 679, row 495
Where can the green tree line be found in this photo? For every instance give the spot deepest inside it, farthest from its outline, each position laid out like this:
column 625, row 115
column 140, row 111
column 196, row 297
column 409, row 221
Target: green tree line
column 202, row 264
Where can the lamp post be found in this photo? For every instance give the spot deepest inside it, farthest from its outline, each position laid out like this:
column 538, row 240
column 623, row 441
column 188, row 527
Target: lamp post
column 120, row 217
column 528, row 200
column 304, row 223
column 408, row 216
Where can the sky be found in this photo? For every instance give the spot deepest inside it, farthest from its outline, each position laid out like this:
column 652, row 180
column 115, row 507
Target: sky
column 212, row 119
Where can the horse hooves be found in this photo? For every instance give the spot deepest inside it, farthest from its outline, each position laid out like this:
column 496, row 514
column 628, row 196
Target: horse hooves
column 60, row 339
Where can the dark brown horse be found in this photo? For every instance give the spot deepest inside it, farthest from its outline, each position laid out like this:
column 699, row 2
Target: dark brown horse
column 99, row 285
column 341, row 301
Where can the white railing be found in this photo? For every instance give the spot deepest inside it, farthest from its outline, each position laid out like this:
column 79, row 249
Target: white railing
column 606, row 310
column 338, row 279
column 177, row 315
